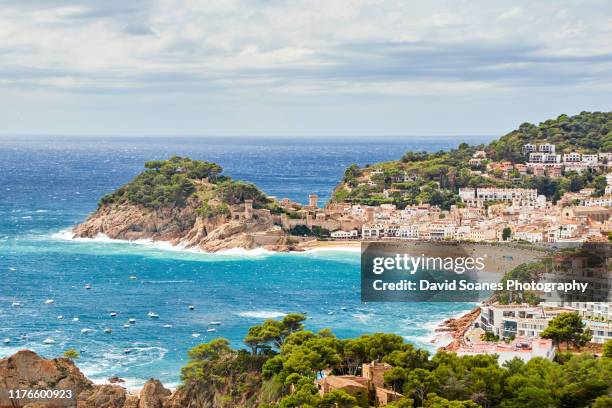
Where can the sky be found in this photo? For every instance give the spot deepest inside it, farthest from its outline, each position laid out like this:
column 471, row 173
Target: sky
column 299, row 67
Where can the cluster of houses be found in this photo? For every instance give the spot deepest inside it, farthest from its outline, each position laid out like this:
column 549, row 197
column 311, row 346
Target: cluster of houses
column 542, row 160
column 515, row 214
column 526, row 321
column 519, row 327
column 489, row 214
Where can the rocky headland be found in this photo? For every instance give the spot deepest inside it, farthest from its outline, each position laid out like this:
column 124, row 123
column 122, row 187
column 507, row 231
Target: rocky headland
column 188, row 204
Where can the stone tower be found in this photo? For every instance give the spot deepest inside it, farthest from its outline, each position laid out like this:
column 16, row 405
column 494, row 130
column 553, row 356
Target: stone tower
column 374, row 372
column 313, row 200
column 248, row 209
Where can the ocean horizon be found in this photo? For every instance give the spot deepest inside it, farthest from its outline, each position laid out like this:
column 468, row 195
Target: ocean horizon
column 49, row 185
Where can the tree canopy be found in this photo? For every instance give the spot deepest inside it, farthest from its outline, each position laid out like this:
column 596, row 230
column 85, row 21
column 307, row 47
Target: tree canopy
column 285, row 359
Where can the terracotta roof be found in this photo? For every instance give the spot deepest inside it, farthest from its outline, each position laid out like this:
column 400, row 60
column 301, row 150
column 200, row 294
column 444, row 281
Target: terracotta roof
column 345, row 381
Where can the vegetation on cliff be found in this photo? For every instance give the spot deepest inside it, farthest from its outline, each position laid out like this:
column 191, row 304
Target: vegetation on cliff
column 172, row 182
column 435, row 178
column 285, row 359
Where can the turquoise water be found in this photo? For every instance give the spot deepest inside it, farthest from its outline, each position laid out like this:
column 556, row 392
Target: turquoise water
column 47, row 186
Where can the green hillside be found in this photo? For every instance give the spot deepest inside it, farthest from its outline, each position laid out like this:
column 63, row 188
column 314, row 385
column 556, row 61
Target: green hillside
column 435, row 178
column 179, row 180
column 587, row 132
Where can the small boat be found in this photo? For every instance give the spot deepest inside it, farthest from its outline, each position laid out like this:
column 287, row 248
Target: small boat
column 16, row 304
column 132, row 320
column 191, row 307
column 126, row 325
column 85, row 331
column 195, row 335
column 75, row 319
column 108, row 330
column 48, row 340
column 215, row 323
column 60, row 317
column 6, row 341
column 113, row 314
column 23, row 337
column 133, row 277
column 212, row 329
column 167, row 326
column 127, row 351
column 88, row 286
column 343, row 308
column 330, row 313
column 153, row 315
column 49, row 301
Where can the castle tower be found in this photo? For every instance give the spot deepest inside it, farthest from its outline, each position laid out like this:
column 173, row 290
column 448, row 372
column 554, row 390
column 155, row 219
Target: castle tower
column 374, row 372
column 369, row 213
column 313, row 200
column 248, row 209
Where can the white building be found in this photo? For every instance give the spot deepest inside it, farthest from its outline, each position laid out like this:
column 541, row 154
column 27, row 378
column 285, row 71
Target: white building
column 528, row 148
column 345, row 234
column 506, row 194
column 544, row 158
column 372, row 231
column 408, row 231
column 523, row 349
column 605, row 201
column 441, row 231
column 532, row 235
column 572, row 157
column 517, row 320
column 590, row 159
column 546, row 148
column 605, row 156
column 597, row 317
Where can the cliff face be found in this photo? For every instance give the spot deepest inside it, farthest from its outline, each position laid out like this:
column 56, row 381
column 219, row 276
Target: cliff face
column 182, row 226
column 26, row 370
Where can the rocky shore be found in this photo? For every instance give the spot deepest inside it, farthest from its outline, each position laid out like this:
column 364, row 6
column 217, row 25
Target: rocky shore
column 457, row 327
column 183, row 228
column 25, row 370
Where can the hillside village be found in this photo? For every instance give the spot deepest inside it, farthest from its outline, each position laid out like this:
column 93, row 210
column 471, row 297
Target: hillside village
column 481, row 213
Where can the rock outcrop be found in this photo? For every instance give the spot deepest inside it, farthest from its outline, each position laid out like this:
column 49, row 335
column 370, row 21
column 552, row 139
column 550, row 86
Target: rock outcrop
column 458, row 326
column 103, row 396
column 153, row 395
column 183, row 227
column 25, row 370
column 187, row 203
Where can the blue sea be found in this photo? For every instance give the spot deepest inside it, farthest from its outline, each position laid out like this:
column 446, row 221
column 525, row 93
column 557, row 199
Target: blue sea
column 47, row 185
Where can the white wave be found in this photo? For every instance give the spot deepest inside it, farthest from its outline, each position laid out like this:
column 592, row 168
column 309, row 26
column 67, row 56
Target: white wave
column 68, row 235
column 246, row 252
column 262, row 314
column 362, row 317
column 131, row 384
column 352, row 249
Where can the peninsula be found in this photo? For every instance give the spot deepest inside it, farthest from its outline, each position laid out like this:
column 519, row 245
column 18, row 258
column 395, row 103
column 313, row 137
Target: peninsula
column 540, row 184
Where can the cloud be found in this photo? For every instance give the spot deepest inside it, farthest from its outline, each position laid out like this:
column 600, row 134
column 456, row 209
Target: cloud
column 305, row 47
